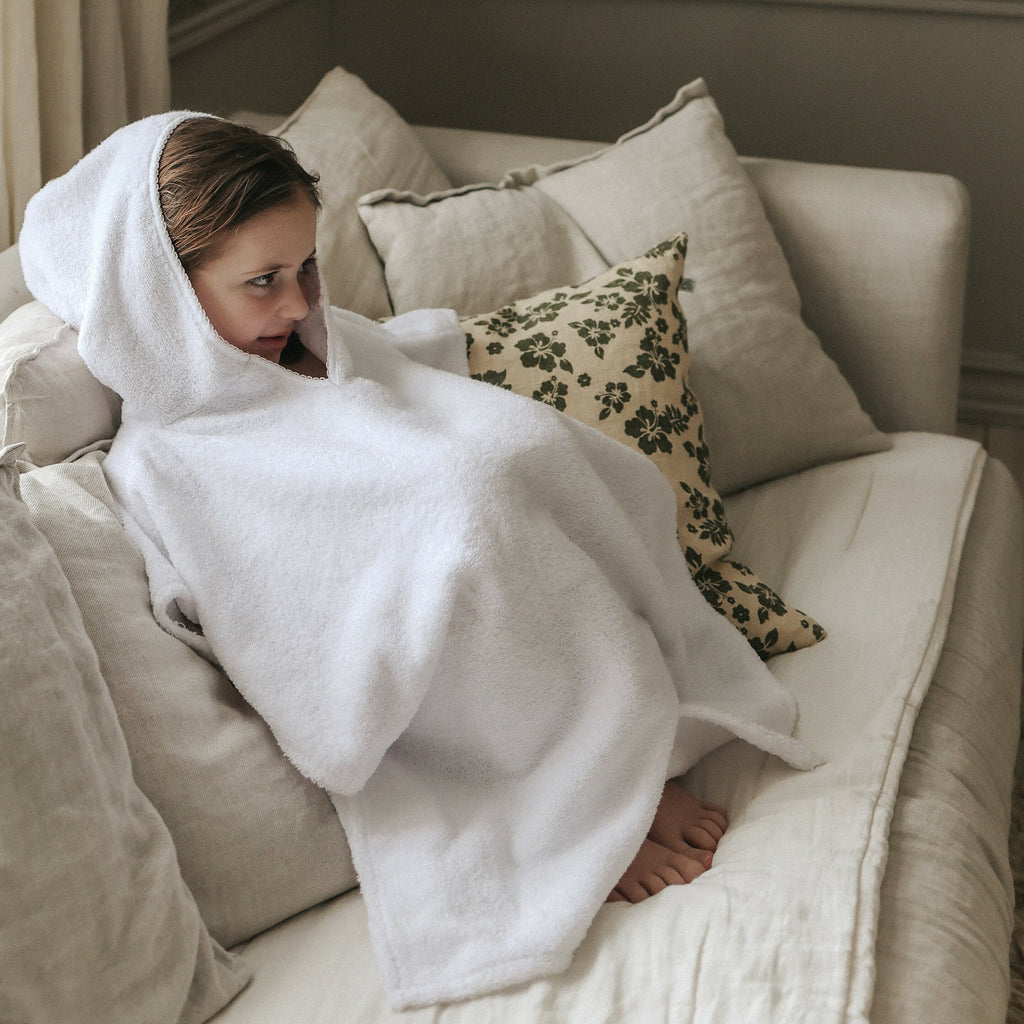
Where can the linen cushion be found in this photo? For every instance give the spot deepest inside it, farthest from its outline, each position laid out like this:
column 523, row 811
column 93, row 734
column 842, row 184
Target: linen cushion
column 774, row 403
column 48, row 399
column 612, row 353
column 97, row 923
column 257, row 842
column 356, row 142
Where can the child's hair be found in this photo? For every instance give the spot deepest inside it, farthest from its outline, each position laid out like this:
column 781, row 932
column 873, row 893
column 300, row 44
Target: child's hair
column 215, row 175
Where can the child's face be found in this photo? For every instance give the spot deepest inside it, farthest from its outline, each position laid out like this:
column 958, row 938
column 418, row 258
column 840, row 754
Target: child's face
column 258, row 287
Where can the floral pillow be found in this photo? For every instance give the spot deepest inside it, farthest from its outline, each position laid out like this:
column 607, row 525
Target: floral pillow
column 613, row 353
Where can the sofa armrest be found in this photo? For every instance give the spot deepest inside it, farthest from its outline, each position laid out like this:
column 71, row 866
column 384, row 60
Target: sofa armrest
column 879, row 258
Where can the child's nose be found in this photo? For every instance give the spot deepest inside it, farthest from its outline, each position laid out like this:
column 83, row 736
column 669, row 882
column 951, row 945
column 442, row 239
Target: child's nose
column 294, row 305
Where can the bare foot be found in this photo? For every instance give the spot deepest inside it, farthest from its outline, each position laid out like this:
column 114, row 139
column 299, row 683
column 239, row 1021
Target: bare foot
column 685, row 824
column 679, row 846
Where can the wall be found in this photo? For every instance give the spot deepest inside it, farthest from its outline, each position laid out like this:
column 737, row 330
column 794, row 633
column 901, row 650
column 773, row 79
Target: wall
column 266, row 55
column 913, row 89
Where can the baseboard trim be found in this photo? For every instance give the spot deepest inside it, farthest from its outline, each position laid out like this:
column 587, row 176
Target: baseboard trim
column 215, row 20
column 992, row 389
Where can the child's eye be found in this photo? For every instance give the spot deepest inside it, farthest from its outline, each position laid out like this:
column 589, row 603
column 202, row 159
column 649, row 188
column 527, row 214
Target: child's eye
column 263, row 281
column 309, row 265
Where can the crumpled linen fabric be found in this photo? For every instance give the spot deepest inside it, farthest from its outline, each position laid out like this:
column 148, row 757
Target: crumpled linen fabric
column 462, row 613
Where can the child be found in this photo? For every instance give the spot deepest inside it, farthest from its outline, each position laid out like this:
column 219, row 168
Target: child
column 462, row 613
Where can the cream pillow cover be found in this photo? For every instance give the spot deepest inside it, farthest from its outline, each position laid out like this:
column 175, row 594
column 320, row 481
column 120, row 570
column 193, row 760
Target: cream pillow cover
column 97, row 923
column 48, row 399
column 612, row 353
column 257, row 842
column 773, row 402
column 356, row 142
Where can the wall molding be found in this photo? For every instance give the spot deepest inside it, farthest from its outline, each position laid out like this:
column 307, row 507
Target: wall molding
column 213, row 20
column 976, row 8
column 992, row 389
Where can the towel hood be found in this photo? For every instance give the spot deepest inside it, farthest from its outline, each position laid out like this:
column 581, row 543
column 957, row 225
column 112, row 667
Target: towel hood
column 95, row 250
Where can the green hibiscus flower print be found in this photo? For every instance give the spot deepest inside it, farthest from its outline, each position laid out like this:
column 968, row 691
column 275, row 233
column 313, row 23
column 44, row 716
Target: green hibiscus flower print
column 552, row 392
column 712, row 584
column 543, row 351
column 698, row 503
column 681, row 335
column 701, row 454
column 646, row 427
column 502, row 323
column 674, row 420
column 635, row 312
column 542, row 312
column 598, row 334
column 740, row 613
column 614, row 398
column 690, row 402
column 674, row 245
column 654, row 359
column 709, row 522
column 650, row 289
column 495, row 377
column 769, row 603
column 763, row 646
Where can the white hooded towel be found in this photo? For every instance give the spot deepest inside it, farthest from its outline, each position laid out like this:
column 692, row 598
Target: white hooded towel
column 462, row 613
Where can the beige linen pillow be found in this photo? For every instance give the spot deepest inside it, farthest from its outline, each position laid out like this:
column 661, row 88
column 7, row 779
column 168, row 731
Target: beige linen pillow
column 96, row 921
column 774, row 403
column 48, row 399
column 612, row 353
column 257, row 842
column 356, row 142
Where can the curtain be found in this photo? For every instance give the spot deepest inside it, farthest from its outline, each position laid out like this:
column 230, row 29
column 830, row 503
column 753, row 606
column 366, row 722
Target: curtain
column 71, row 71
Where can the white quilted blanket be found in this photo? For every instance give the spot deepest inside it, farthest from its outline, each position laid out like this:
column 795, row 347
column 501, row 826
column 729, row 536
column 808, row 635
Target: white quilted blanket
column 782, row 928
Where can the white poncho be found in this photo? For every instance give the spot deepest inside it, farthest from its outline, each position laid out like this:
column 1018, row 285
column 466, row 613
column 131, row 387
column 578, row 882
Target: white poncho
column 462, row 613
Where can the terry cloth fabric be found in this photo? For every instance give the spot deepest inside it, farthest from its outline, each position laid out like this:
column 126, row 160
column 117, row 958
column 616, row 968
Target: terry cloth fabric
column 462, row 613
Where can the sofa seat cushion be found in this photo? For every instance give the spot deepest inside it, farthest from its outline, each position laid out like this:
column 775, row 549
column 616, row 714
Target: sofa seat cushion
column 787, row 917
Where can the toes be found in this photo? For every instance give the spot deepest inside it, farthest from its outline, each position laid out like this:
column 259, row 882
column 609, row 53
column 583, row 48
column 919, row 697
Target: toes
column 704, row 834
column 654, row 884
column 631, row 891
column 714, row 819
column 689, row 864
column 684, row 823
column 695, row 843
column 705, row 827
column 670, row 875
column 657, row 866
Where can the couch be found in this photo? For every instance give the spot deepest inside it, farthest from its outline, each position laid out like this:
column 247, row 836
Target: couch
column 162, row 860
